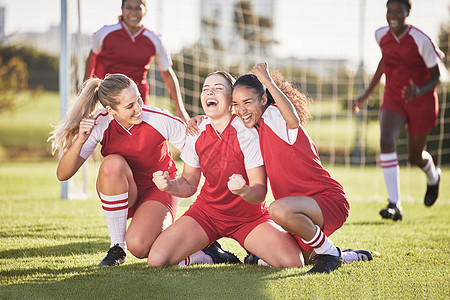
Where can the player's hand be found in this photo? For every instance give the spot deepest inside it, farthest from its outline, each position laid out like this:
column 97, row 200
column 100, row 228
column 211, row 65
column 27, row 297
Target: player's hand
column 237, row 185
column 86, row 126
column 192, row 125
column 161, row 180
column 356, row 105
column 261, row 70
column 410, row 92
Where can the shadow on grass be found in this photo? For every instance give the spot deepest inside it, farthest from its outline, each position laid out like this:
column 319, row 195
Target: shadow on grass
column 57, row 251
column 137, row 281
column 46, row 231
column 365, row 223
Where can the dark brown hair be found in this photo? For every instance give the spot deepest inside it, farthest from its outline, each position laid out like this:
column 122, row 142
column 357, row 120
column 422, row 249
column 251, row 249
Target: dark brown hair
column 406, row 2
column 300, row 101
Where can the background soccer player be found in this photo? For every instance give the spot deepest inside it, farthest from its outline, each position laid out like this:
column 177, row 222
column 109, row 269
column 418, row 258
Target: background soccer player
column 410, row 64
column 128, row 48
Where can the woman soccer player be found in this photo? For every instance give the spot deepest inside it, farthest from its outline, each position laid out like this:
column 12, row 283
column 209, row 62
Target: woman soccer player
column 410, row 64
column 231, row 202
column 134, row 145
column 128, row 48
column 308, row 202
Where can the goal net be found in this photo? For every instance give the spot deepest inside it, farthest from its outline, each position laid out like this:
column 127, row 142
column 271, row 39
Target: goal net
column 234, row 35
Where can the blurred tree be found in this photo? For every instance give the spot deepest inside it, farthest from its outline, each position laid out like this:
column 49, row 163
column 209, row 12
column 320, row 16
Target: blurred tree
column 42, row 68
column 444, row 42
column 13, row 79
column 252, row 28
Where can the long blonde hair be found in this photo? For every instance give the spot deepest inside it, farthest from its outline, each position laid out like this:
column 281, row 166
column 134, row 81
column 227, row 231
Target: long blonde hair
column 94, row 94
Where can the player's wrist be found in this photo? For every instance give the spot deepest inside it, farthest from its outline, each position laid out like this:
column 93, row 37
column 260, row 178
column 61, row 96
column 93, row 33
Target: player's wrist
column 244, row 191
column 417, row 90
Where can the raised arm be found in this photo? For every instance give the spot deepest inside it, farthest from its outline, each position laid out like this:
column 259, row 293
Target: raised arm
column 71, row 160
column 255, row 192
column 183, row 187
column 171, row 81
column 285, row 106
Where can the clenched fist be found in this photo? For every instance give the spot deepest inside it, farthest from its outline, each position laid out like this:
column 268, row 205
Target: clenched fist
column 237, row 185
column 161, row 180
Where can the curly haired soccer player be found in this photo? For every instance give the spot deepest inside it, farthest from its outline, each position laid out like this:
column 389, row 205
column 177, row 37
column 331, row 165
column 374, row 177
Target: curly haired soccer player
column 128, row 48
column 410, row 64
column 134, row 145
column 231, row 202
column 309, row 203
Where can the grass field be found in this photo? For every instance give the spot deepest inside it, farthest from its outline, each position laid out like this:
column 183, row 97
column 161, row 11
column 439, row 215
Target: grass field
column 51, row 247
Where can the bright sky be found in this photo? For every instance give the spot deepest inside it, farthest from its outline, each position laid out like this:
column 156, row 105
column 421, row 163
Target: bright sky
column 303, row 28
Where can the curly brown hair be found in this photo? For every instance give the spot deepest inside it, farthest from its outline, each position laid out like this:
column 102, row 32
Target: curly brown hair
column 301, row 101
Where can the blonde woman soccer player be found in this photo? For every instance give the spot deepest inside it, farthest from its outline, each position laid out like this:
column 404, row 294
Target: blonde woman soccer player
column 410, row 64
column 134, row 145
column 231, row 202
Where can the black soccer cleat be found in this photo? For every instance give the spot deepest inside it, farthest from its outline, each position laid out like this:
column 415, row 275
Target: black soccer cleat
column 116, row 256
column 220, row 256
column 392, row 211
column 326, row 263
column 251, row 259
column 363, row 255
column 432, row 191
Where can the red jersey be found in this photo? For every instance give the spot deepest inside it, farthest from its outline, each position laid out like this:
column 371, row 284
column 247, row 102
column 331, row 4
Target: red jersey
column 118, row 51
column 406, row 58
column 292, row 162
column 219, row 156
column 144, row 146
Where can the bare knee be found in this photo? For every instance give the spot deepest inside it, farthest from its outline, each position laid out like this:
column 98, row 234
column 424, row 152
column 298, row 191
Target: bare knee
column 138, row 246
column 112, row 167
column 279, row 212
column 291, row 261
column 157, row 259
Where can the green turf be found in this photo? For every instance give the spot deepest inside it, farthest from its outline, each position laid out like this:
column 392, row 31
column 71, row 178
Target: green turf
column 50, row 248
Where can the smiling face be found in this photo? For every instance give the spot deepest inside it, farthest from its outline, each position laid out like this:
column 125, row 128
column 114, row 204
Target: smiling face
column 132, row 12
column 248, row 105
column 129, row 110
column 396, row 17
column 216, row 96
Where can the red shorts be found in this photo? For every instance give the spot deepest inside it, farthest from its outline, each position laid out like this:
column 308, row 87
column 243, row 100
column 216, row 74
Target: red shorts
column 420, row 114
column 335, row 210
column 217, row 228
column 151, row 193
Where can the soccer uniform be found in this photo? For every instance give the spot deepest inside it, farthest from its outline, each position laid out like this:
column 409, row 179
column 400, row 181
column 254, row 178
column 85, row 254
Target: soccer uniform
column 294, row 169
column 406, row 58
column 118, row 51
column 144, row 146
column 220, row 212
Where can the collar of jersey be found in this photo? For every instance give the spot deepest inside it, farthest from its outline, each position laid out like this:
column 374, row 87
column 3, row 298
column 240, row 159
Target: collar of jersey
column 132, row 37
column 126, row 130
column 224, row 129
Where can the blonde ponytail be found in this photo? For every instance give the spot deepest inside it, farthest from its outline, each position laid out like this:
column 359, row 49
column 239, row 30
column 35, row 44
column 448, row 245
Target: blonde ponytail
column 85, row 105
column 95, row 93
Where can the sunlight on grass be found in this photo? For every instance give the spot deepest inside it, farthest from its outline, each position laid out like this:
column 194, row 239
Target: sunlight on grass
column 51, row 248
